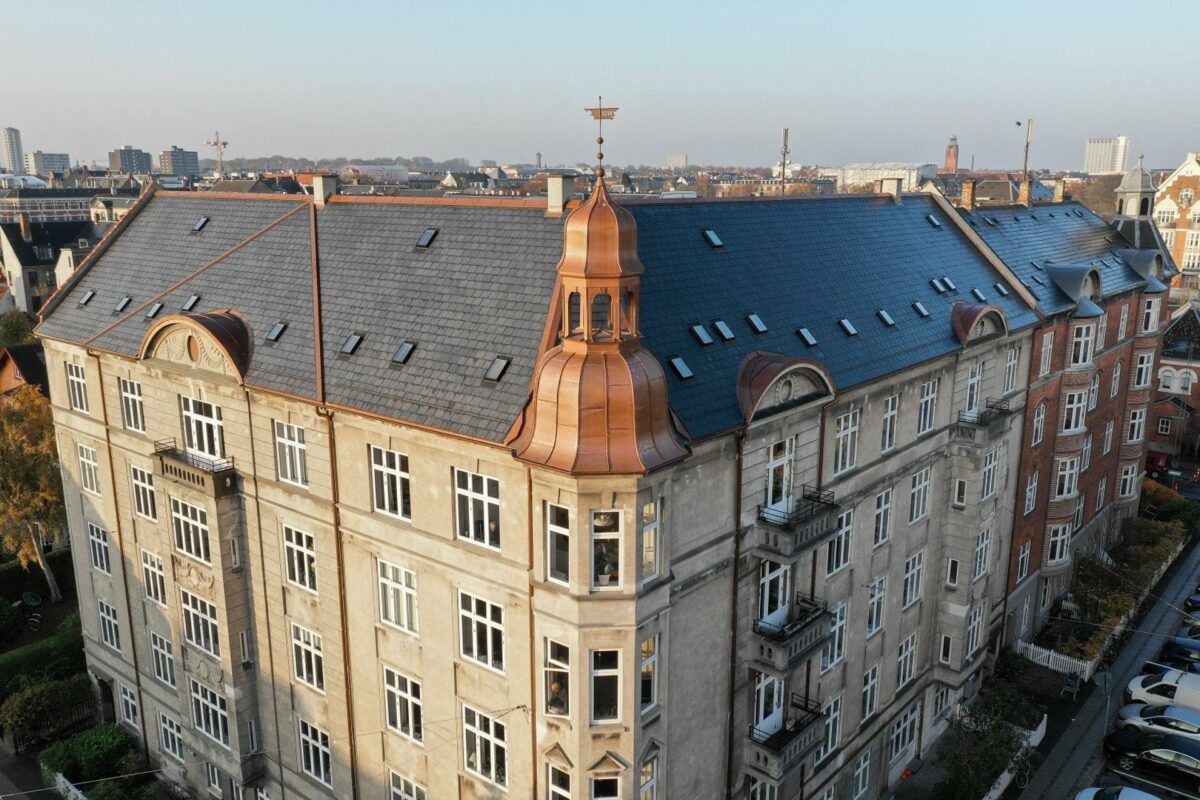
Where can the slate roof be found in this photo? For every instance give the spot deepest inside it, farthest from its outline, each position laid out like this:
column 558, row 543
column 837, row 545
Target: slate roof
column 31, row 363
column 55, row 235
column 484, row 287
column 1182, row 337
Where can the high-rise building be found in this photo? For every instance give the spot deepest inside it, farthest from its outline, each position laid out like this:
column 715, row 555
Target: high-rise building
column 130, row 159
column 12, row 157
column 951, row 163
column 1106, row 155
column 184, row 163
column 39, row 163
column 677, row 161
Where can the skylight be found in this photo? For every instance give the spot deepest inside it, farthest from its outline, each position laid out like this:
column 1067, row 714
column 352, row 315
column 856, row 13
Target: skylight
column 122, row 303
column 191, row 302
column 351, row 344
column 807, row 336
column 990, row 221
column 949, row 283
column 702, row 335
column 756, row 323
column 848, row 327
column 427, row 237
column 723, row 330
column 937, row 284
column 886, row 317
column 87, row 297
column 496, row 370
column 919, row 307
column 681, row 368
column 979, row 295
column 200, row 223
column 933, row 220
column 154, row 309
column 276, row 331
column 1000, row 288
column 1039, row 280
column 403, row 352
column 713, row 240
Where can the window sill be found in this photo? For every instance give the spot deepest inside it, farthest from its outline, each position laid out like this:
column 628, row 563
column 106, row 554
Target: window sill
column 652, row 715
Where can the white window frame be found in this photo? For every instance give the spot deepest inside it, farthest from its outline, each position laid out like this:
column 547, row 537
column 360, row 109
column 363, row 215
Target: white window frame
column 391, row 487
column 89, row 469
column 946, row 649
column 882, row 530
column 1039, row 425
column 906, row 661
column 837, row 552
column 891, row 413
column 1074, row 412
column 1011, row 362
column 876, row 606
column 308, row 658
column 914, row 567
column 974, row 388
column 203, row 430
column 860, row 779
column 1085, row 455
column 1136, row 431
column 604, row 551
column 647, row 777
column 398, row 596
column 834, row 651
column 300, row 558
column 170, row 736
column 1115, row 384
column 652, row 540
column 983, row 554
column 402, row 706
column 845, row 442
column 316, row 757
column 110, row 626
column 1047, row 354
column 556, row 668
column 974, row 631
column 291, row 454
column 1058, row 544
column 604, row 673
column 200, row 626
column 927, row 408
column 487, row 738
column 130, row 709
column 831, row 713
column 870, row 692
column 1143, row 370
column 648, row 674
column 1023, row 555
column 133, row 408
column 210, row 712
column 1164, row 427
column 1108, row 437
column 145, row 499
column 1031, row 490
column 1094, row 392
column 558, row 783
column 98, row 548
column 401, row 787
column 476, row 616
column 189, row 525
column 991, row 462
column 918, row 497
column 162, row 654
column 1082, row 341
column 1123, row 327
column 77, row 397
column 1151, row 308
column 1129, row 477
column 903, row 733
column 477, row 508
column 1067, row 480
column 1101, row 490
column 154, row 577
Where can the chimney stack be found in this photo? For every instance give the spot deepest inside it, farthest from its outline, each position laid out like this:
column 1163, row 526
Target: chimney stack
column 967, row 198
column 1025, row 194
column 26, row 232
column 890, row 186
column 558, row 192
column 1060, row 190
column 324, row 187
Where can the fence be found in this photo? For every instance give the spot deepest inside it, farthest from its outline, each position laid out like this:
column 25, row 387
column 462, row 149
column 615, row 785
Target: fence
column 81, row 716
column 1032, row 739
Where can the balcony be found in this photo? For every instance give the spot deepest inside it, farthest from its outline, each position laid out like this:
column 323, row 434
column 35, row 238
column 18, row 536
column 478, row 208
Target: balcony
column 774, row 752
column 982, row 425
column 804, row 524
column 806, row 629
column 212, row 475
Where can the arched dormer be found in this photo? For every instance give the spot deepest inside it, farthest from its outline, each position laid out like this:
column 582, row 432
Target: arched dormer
column 975, row 321
column 769, row 383
column 215, row 341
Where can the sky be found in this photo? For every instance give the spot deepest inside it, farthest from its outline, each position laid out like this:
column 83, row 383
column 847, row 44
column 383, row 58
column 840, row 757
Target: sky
column 854, row 80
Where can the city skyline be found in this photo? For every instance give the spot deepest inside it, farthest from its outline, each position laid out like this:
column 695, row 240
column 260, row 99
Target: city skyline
column 479, row 102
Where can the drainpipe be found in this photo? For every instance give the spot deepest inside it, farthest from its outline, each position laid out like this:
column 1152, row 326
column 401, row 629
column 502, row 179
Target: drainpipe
column 532, row 638
column 733, row 607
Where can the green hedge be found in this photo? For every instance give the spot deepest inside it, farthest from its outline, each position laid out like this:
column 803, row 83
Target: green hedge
column 93, row 754
column 15, row 579
column 55, row 656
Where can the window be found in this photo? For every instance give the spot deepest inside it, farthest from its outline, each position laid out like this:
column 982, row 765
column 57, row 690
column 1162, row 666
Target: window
column 133, row 414
column 918, row 499
column 1150, row 314
column 1141, row 374
column 1074, row 411
column 110, row 629
column 1124, row 322
column 928, row 406
column 651, row 540
column 481, row 629
column 779, row 475
column 484, row 748
column 990, row 460
column 648, row 779
column 557, row 673
column 835, row 646
column 1115, row 385
column 876, row 600
column 398, row 596
column 837, row 554
column 1039, row 424
column 1047, row 353
column 1068, row 477
column 974, row 388
column 1010, row 368
column 1081, row 344
column 315, row 757
column 944, row 651
column 1101, row 490
column 300, row 558
column 145, row 502
column 860, row 781
column 773, row 601
column 1129, row 475
column 983, row 552
column 605, row 788
column 210, row 713
column 89, row 469
column 203, row 432
column 606, row 549
column 77, row 388
column 1166, row 380
column 1086, row 455
column 1060, row 536
column 649, row 684
column 883, row 518
column 402, row 699
column 1185, row 382
column 213, row 778
column 1023, row 561
column 308, row 662
column 477, row 508
column 389, row 483
column 290, row 459
column 190, row 525
column 830, row 738
column 606, row 685
column 1101, row 331
column 154, row 577
column 1031, row 486
column 1108, row 436
column 129, row 705
column 1077, row 517
column 558, row 782
column 98, row 547
column 1137, row 425
column 163, row 656
column 870, row 692
column 845, row 442
column 170, row 737
column 200, row 623
column 891, row 408
column 912, row 579
column 906, row 661
column 974, row 630
column 403, row 788
column 1164, row 427
column 952, row 572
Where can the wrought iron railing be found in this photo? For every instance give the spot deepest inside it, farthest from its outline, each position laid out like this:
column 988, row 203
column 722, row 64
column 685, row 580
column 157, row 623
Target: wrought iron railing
column 169, row 447
column 804, row 711
column 806, row 610
column 812, row 501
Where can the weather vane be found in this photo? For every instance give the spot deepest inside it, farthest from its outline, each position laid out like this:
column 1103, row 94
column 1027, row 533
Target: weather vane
column 600, row 113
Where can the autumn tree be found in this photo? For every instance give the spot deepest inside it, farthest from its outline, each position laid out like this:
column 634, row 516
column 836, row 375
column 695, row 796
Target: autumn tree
column 31, row 495
column 15, row 328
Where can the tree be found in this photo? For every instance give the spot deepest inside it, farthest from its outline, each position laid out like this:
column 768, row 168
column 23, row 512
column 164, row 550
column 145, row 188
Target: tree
column 983, row 743
column 15, row 328
column 31, row 495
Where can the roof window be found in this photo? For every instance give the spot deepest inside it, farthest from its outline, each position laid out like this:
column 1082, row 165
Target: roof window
column 276, row 331
column 1035, row 265
column 1039, row 280
column 122, row 304
column 702, row 335
column 1000, row 288
column 427, row 237
column 886, row 317
column 681, row 368
column 713, row 240
column 191, row 302
column 937, row 284
column 756, row 322
column 807, row 336
column 724, row 330
column 949, row 283
column 351, row 344
column 979, row 295
column 990, row 221
column 496, row 369
column 200, row 223
column 87, row 297
column 154, row 309
column 403, row 353
column 848, row 327
column 933, row 220
column 919, row 307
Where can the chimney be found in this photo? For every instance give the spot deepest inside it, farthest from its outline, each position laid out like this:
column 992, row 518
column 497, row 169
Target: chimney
column 967, row 197
column 558, row 192
column 324, row 187
column 1025, row 194
column 1060, row 190
column 26, row 232
column 891, row 186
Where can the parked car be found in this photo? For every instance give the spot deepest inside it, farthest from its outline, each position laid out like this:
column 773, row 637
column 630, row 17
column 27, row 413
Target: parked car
column 1173, row 686
column 1188, row 629
column 1191, row 602
column 1172, row 756
column 1114, row 793
column 1179, row 648
column 1160, row 719
column 1160, row 665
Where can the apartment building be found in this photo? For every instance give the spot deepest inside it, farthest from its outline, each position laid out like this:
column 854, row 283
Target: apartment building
column 477, row 497
column 1177, row 215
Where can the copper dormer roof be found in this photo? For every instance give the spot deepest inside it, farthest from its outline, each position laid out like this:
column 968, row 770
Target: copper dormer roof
column 598, row 401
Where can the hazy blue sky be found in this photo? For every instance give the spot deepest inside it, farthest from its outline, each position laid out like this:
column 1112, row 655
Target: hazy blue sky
column 855, row 80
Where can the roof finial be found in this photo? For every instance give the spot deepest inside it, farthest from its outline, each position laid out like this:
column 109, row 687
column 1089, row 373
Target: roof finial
column 600, row 113
column 1140, row 157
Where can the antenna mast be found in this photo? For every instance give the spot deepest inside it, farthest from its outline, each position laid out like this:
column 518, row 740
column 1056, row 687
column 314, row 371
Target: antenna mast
column 784, row 152
column 220, row 146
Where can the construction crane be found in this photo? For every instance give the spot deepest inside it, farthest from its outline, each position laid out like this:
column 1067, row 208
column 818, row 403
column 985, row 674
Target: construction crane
column 220, row 147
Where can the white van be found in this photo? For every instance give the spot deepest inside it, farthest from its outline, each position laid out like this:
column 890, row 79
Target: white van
column 1171, row 687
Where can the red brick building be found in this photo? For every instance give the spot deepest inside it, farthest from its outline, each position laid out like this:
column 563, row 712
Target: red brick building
column 1174, row 428
column 1177, row 215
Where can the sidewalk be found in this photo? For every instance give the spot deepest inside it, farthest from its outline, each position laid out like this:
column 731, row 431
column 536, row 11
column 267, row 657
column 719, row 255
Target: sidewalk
column 19, row 773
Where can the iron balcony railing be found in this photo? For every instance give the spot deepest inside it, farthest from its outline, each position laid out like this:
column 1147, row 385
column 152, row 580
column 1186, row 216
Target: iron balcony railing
column 803, row 713
column 169, row 447
column 812, row 501
column 806, row 610
column 993, row 410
